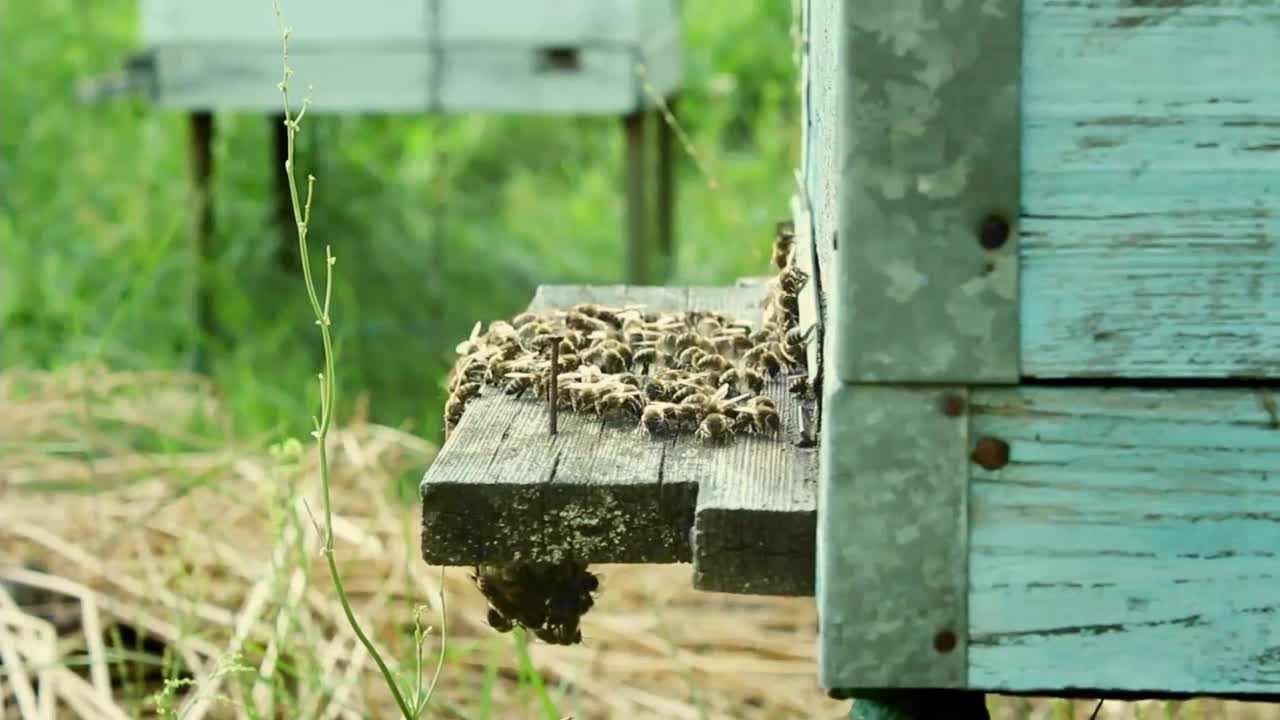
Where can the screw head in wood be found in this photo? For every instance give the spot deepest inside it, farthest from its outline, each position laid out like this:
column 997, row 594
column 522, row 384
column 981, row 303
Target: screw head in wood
column 952, row 405
column 990, row 453
column 944, row 641
column 993, row 232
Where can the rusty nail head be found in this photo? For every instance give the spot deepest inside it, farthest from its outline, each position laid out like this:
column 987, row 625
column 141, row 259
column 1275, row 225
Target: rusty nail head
column 993, row 233
column 991, row 453
column 952, row 405
column 944, row 641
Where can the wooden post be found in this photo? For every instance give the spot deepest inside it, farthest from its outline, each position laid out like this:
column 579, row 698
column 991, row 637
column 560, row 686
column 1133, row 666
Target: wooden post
column 667, row 189
column 637, row 246
column 200, row 136
column 287, row 250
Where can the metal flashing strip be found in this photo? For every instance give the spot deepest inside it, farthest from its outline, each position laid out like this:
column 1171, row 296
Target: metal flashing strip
column 893, row 538
column 929, row 202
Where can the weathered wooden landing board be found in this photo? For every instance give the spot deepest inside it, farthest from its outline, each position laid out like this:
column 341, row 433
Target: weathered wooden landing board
column 502, row 489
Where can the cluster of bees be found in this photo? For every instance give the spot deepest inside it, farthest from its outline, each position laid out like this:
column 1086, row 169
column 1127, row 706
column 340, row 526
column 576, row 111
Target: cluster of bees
column 549, row 599
column 699, row 372
column 664, row 373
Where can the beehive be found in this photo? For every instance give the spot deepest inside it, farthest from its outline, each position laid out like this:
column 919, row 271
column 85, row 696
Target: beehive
column 403, row 55
column 1048, row 239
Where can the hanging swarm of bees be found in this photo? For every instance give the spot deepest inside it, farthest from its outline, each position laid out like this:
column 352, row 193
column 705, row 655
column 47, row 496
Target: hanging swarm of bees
column 549, row 599
column 698, row 372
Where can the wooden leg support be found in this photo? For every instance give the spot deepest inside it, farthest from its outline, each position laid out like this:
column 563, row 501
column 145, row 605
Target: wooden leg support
column 637, row 247
column 667, row 190
column 200, row 136
column 921, row 705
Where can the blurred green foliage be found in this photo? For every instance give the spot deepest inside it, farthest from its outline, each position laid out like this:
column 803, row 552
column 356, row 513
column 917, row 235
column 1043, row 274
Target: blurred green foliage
column 95, row 209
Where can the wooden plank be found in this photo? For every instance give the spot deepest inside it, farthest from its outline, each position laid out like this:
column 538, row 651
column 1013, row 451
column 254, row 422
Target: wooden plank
column 502, row 489
column 563, row 23
column 494, row 78
column 1131, row 543
column 757, row 507
column 1151, row 214
column 399, row 76
column 339, row 78
column 236, row 22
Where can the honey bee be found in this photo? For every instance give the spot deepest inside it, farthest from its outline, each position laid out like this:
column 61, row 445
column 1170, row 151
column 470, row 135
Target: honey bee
column 467, row 391
column 467, row 370
column 714, row 403
column 580, row 396
column 714, row 428
column 472, row 343
column 690, row 387
column 501, row 331
column 650, row 356
column 794, row 343
column 576, row 320
column 660, row 418
column 524, row 318
column 615, row 403
column 454, row 407
column 689, row 357
column 548, row 599
column 801, row 387
column 766, row 358
column 657, row 390
column 759, row 416
column 784, row 239
column 732, row 343
column 712, row 362
column 610, row 356
column 498, row 621
column 530, row 333
column 585, row 373
column 790, row 307
column 518, row 383
column 567, row 361
column 615, row 317
column 792, row 280
column 686, row 340
column 742, row 379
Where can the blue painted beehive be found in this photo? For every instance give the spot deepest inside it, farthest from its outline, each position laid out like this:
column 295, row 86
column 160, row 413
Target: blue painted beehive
column 1047, row 239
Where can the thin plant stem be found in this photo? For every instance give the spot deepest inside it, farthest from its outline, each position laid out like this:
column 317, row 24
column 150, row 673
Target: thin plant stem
column 328, row 386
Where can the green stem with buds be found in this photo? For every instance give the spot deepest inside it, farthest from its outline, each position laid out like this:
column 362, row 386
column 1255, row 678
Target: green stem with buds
column 328, row 386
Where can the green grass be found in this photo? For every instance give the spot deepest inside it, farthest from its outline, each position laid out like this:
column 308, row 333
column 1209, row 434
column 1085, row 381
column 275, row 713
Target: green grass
column 95, row 205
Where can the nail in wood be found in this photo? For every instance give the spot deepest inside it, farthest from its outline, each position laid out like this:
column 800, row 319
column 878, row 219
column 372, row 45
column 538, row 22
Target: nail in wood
column 553, row 392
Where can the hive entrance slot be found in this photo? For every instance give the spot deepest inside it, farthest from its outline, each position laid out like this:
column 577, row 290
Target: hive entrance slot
column 558, row 59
